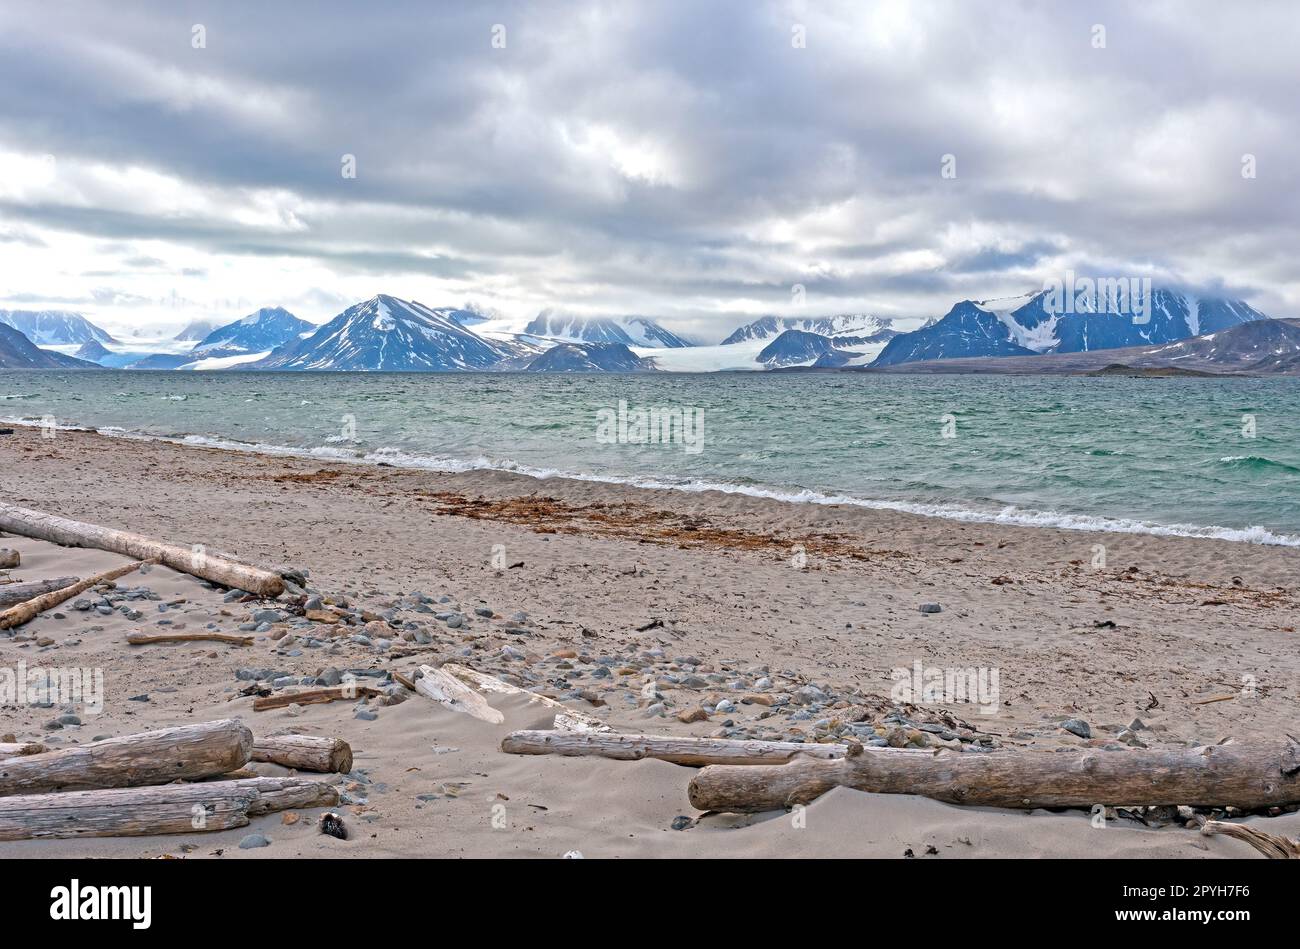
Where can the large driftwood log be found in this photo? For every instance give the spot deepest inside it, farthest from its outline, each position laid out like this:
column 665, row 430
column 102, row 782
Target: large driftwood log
column 305, row 752
column 566, row 719
column 25, row 612
column 21, row 592
column 151, row 639
column 168, row 809
column 186, row 752
column 694, row 752
column 332, row 693
column 445, row 689
column 1237, row 775
column 192, row 560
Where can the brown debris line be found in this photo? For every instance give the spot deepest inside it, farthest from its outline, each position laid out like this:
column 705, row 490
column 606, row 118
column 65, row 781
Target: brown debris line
column 1181, row 589
column 301, row 477
column 547, row 515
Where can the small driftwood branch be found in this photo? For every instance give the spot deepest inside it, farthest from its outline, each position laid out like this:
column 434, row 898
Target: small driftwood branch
column 24, row 612
column 150, row 639
column 192, row 560
column 168, row 809
column 333, row 693
column 1270, row 845
column 305, row 752
column 693, row 752
column 19, row 749
column 566, row 719
column 186, row 752
column 1248, row 776
column 21, row 592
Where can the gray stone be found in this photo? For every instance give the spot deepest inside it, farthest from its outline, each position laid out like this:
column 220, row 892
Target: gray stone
column 930, row 608
column 253, row 841
column 1077, row 726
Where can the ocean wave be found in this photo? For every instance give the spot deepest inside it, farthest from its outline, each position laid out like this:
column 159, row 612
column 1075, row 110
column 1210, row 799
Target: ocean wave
column 1005, row 515
column 1256, row 463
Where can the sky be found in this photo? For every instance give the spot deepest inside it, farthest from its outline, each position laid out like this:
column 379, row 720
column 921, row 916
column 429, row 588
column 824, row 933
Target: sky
column 702, row 162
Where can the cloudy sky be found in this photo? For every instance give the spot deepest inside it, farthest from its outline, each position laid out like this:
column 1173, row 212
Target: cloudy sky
column 689, row 160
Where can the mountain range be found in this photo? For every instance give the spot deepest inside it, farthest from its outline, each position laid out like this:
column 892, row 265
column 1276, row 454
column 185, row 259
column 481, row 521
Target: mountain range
column 387, row 333
column 19, row 352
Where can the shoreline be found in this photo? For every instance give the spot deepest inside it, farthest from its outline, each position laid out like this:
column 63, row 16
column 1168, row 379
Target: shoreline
column 656, row 582
column 1009, row 515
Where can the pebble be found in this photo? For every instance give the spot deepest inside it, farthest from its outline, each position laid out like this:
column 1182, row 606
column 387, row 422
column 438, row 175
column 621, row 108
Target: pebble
column 9, row 558
column 1077, row 726
column 484, row 611
column 366, row 715
column 253, row 841
column 930, row 608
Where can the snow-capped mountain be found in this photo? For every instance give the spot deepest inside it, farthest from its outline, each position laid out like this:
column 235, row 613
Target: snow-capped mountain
column 259, row 332
column 795, row 348
column 589, row 357
column 54, row 327
column 385, row 333
column 1256, row 346
column 19, row 352
column 197, row 331
column 863, row 325
column 630, row 331
column 1035, row 323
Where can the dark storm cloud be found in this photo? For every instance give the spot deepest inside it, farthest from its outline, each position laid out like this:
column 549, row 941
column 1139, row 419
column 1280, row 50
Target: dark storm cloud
column 679, row 156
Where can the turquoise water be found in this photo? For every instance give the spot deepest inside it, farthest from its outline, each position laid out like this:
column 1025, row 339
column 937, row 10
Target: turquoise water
column 1161, row 456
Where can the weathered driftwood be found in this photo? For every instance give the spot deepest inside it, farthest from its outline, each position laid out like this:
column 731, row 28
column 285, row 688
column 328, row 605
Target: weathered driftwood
column 24, row 612
column 1238, row 775
column 19, row 749
column 186, row 752
column 21, row 592
column 167, row 809
column 694, row 752
column 1270, row 845
column 333, row 693
column 446, row 689
column 305, row 752
column 566, row 719
column 192, row 560
column 149, row 639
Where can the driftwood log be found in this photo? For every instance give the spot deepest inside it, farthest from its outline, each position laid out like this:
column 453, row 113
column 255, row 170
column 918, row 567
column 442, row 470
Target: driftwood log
column 25, row 612
column 1270, row 845
column 192, row 560
column 566, row 719
column 19, row 749
column 333, row 693
column 186, row 752
column 168, row 809
column 1248, row 776
column 447, row 690
column 305, row 752
column 150, row 639
column 694, row 752
column 21, row 592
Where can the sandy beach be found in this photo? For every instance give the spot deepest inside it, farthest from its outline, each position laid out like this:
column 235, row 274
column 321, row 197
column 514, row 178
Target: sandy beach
column 711, row 596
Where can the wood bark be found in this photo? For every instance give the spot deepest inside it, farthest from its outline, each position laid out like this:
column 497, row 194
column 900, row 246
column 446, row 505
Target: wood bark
column 186, row 752
column 1238, row 775
column 168, row 809
column 25, row 612
column 69, row 533
column 694, row 752
column 18, row 749
column 333, row 693
column 305, row 752
column 566, row 719
column 445, row 689
column 149, row 639
column 21, row 592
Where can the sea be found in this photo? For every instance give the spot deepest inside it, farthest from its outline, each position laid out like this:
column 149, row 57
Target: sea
column 1178, row 456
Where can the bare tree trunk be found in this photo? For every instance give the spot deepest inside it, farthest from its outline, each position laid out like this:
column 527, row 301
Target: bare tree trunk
column 186, row 752
column 333, row 693
column 305, row 752
column 1270, row 845
column 449, row 691
column 1238, row 775
column 566, row 719
column 25, row 612
column 695, row 752
column 192, row 560
column 168, row 809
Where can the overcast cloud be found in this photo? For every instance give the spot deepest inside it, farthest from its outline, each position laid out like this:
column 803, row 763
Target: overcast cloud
column 685, row 160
